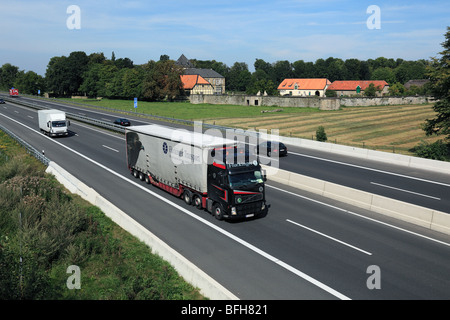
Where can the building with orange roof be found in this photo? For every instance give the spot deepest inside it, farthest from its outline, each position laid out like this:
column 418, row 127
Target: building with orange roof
column 196, row 84
column 213, row 77
column 357, row 87
column 304, row 87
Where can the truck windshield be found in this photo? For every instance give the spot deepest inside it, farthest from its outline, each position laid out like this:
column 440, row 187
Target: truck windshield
column 58, row 124
column 245, row 179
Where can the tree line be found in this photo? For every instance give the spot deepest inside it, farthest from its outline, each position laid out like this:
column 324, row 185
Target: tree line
column 95, row 75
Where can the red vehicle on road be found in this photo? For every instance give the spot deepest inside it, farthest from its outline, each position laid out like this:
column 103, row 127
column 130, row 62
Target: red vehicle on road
column 13, row 92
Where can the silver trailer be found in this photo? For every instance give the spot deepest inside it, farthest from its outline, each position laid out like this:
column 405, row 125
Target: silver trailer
column 198, row 167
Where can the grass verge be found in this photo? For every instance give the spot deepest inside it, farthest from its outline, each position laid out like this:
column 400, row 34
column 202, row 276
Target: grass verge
column 44, row 229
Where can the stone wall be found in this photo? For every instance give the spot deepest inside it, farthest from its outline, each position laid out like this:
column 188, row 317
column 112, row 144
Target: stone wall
column 305, row 102
column 268, row 101
column 381, row 101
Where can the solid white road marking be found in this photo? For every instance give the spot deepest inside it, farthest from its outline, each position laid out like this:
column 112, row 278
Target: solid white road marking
column 398, row 189
column 110, row 148
column 329, row 237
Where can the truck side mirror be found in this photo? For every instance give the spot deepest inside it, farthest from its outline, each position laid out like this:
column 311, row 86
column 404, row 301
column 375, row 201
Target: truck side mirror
column 264, row 175
column 48, row 124
column 68, row 123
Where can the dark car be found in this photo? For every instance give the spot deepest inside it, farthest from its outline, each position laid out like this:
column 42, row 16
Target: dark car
column 122, row 122
column 2, row 101
column 272, row 148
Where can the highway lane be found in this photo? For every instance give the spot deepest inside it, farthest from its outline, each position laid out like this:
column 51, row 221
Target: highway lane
column 420, row 187
column 292, row 237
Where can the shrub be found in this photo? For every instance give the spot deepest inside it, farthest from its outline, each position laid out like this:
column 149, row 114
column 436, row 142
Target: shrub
column 438, row 150
column 320, row 134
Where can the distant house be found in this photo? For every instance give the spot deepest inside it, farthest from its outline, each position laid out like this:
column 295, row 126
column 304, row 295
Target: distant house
column 304, row 87
column 417, row 83
column 357, row 87
column 216, row 80
column 195, row 84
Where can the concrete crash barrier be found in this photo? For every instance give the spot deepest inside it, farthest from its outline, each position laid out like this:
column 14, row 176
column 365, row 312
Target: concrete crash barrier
column 192, row 274
column 392, row 158
column 425, row 217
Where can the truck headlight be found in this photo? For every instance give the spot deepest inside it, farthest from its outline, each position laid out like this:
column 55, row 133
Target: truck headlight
column 233, row 211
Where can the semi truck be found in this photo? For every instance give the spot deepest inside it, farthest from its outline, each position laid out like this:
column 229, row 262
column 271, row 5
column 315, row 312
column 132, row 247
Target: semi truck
column 53, row 122
column 14, row 93
column 204, row 170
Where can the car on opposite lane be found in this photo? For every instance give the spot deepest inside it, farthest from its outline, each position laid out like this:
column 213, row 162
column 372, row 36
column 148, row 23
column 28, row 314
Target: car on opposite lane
column 272, row 148
column 122, row 122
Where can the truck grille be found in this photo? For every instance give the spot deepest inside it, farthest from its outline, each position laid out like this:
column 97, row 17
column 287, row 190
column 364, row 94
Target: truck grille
column 248, row 198
column 254, row 207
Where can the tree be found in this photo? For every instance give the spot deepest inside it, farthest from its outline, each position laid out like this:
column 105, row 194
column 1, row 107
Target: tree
column 263, row 85
column 64, row 75
column 29, row 82
column 162, row 80
column 409, row 70
column 280, row 71
column 320, row 134
column 397, row 89
column 239, row 77
column 384, row 73
column 439, row 73
column 56, row 80
column 353, row 67
column 371, row 90
column 8, row 74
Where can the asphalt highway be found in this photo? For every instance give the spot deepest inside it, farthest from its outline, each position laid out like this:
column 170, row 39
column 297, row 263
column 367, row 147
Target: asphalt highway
column 307, row 247
column 419, row 187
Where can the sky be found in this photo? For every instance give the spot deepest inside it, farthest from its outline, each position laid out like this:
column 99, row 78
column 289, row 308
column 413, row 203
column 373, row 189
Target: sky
column 228, row 31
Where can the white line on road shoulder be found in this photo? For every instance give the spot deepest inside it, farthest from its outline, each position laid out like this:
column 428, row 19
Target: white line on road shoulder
column 329, row 237
column 398, row 189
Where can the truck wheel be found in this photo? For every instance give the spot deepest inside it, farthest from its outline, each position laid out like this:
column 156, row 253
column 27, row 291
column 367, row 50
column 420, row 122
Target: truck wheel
column 147, row 179
column 218, row 211
column 187, row 196
column 198, row 201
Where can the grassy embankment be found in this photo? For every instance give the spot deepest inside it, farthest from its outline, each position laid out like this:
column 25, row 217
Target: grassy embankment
column 51, row 229
column 385, row 128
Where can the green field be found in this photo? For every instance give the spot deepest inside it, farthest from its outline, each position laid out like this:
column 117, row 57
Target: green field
column 188, row 111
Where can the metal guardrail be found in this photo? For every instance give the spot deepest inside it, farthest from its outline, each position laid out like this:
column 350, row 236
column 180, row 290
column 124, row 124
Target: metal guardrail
column 98, row 123
column 120, row 129
column 30, row 149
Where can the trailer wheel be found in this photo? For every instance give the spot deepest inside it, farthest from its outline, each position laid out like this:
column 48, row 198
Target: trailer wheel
column 141, row 176
column 147, row 179
column 187, row 196
column 198, row 201
column 135, row 173
column 218, row 211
